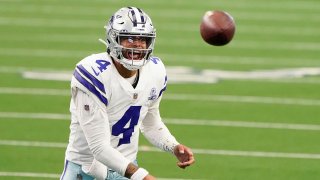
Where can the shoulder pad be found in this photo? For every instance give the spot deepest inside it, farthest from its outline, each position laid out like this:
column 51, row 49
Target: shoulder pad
column 88, row 76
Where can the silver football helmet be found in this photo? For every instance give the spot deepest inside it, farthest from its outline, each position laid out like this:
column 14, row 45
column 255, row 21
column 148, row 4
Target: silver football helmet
column 130, row 22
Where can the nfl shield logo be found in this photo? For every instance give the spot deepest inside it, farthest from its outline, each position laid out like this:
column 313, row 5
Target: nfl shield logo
column 135, row 95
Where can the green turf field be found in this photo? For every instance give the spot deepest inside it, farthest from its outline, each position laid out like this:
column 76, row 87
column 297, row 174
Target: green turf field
column 247, row 128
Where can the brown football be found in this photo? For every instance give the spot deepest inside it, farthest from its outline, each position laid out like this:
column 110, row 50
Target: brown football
column 217, row 28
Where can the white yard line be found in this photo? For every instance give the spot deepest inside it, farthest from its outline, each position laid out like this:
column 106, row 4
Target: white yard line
column 42, row 52
column 193, row 122
column 244, row 99
column 183, row 74
column 182, row 97
column 29, row 174
column 212, row 59
column 196, row 151
column 192, row 58
column 47, row 175
column 33, row 144
column 161, row 13
column 243, row 153
column 301, row 45
column 35, row 91
column 253, row 45
column 246, row 124
column 300, row 5
column 50, row 116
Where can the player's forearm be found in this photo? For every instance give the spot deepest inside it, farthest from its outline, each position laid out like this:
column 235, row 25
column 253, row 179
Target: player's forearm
column 156, row 131
column 113, row 159
column 160, row 136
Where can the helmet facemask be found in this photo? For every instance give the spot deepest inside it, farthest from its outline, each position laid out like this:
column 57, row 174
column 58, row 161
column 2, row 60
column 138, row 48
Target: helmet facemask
column 130, row 57
column 131, row 24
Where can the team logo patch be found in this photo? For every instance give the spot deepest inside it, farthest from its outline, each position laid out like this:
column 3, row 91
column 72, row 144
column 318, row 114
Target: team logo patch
column 86, row 107
column 153, row 94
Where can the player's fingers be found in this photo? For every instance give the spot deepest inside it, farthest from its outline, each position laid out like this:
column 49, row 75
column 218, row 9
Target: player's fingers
column 180, row 165
column 181, row 149
column 191, row 158
column 186, row 163
column 188, row 151
column 183, row 165
column 190, row 161
column 188, row 157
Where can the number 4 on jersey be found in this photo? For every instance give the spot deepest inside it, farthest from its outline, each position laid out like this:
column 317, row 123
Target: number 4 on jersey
column 102, row 65
column 130, row 116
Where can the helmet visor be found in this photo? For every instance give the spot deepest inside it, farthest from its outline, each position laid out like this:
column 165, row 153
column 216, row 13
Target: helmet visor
column 132, row 37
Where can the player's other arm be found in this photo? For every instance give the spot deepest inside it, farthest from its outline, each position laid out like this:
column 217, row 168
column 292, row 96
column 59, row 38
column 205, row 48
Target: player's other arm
column 158, row 134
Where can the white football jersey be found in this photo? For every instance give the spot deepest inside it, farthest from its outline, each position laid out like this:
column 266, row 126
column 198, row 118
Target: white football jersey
column 118, row 111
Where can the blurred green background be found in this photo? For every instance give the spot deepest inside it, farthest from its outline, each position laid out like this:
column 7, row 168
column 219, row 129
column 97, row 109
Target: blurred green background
column 240, row 128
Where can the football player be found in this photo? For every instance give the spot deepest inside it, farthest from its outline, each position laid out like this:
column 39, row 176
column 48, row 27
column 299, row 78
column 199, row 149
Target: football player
column 115, row 95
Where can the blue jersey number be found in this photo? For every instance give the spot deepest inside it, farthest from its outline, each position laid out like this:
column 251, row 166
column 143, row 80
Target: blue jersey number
column 102, row 65
column 155, row 60
column 129, row 119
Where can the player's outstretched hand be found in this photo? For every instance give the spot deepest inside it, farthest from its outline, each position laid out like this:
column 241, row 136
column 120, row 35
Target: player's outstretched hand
column 184, row 155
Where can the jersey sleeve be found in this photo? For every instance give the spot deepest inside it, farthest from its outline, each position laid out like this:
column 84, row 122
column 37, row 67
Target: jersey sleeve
column 87, row 76
column 95, row 125
column 152, row 126
column 155, row 131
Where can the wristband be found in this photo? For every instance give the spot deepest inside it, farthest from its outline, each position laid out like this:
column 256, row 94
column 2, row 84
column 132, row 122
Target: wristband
column 139, row 174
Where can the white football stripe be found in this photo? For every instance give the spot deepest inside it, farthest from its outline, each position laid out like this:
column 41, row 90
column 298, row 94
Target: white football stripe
column 243, row 153
column 211, row 59
column 51, row 74
column 247, row 124
column 50, row 116
column 171, row 13
column 33, row 144
column 41, row 52
column 243, row 99
column 29, row 174
column 34, row 91
column 182, row 97
column 196, row 151
column 197, row 122
column 47, row 175
column 299, row 5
